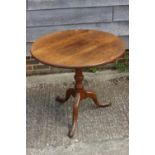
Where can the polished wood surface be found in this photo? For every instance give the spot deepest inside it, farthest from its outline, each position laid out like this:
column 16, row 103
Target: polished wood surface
column 77, row 48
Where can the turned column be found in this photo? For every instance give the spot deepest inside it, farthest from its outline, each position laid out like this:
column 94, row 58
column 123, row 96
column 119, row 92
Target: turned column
column 79, row 88
column 78, row 80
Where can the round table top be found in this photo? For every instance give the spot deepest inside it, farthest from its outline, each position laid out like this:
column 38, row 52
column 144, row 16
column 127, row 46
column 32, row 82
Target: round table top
column 77, row 48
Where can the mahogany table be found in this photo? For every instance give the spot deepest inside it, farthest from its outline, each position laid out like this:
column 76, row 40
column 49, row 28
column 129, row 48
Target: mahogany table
column 78, row 49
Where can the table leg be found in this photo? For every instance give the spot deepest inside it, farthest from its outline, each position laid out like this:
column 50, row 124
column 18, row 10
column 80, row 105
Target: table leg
column 93, row 96
column 69, row 92
column 75, row 115
column 79, row 93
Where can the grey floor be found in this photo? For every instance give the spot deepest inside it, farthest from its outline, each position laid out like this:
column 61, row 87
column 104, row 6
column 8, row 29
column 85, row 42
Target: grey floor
column 101, row 131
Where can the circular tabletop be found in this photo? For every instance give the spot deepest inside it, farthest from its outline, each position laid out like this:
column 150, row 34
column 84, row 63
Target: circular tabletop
column 77, row 48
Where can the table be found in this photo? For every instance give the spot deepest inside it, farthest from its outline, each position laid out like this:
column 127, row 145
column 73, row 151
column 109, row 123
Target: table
column 78, row 49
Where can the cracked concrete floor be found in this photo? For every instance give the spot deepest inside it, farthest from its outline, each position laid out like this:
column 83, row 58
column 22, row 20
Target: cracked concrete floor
column 101, row 131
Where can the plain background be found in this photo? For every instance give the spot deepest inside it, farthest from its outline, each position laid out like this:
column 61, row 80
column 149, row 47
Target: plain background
column 13, row 77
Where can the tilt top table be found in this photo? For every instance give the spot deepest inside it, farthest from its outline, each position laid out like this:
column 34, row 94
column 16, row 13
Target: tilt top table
column 78, row 49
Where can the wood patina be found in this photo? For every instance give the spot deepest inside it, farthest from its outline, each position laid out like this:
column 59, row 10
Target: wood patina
column 78, row 49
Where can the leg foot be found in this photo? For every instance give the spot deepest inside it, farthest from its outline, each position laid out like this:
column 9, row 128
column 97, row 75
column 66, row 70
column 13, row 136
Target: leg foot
column 69, row 92
column 93, row 96
column 75, row 116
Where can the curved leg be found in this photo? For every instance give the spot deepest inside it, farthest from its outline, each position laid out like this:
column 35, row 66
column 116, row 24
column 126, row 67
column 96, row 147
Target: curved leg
column 93, row 96
column 69, row 92
column 75, row 115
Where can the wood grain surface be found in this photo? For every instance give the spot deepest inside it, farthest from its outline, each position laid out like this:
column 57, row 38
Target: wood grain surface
column 77, row 48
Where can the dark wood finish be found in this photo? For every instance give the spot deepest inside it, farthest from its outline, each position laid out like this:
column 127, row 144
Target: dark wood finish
column 79, row 93
column 78, row 49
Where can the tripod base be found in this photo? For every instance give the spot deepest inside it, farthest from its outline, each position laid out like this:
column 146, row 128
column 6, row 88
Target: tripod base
column 79, row 93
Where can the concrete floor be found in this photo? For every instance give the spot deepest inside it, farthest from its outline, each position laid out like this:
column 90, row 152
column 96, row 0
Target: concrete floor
column 101, row 131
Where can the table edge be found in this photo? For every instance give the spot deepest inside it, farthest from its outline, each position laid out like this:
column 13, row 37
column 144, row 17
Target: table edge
column 86, row 66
